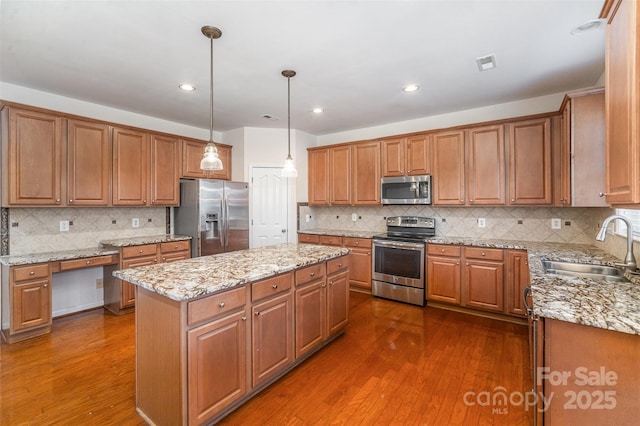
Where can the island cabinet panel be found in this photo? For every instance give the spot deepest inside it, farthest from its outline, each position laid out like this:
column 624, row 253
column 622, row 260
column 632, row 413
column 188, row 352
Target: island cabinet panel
column 448, row 168
column 337, row 299
column 360, row 263
column 483, row 285
column 443, row 273
column 310, row 316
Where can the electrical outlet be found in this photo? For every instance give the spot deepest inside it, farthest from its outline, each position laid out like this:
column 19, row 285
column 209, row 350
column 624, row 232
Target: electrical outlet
column 135, row 222
column 307, row 218
column 556, row 223
column 64, row 226
column 354, row 217
column 481, row 222
column 99, row 283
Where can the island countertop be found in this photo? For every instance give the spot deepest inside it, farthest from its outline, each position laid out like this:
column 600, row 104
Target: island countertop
column 191, row 278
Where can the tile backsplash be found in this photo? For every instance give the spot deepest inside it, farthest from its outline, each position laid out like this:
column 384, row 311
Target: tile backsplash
column 578, row 225
column 37, row 230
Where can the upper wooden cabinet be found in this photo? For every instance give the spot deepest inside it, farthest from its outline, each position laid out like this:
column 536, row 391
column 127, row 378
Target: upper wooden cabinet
column 485, row 165
column 340, row 175
column 622, row 101
column 33, row 153
column 448, row 168
column 529, row 162
column 406, row 156
column 192, row 153
column 319, row 177
column 88, row 164
column 366, row 173
column 582, row 175
column 165, row 177
column 130, row 167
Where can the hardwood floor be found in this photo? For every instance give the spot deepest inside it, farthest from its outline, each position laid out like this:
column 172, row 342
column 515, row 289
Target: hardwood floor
column 395, row 364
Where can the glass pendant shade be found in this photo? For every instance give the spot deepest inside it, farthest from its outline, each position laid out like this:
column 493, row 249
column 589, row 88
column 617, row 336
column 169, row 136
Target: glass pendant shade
column 289, row 169
column 211, row 160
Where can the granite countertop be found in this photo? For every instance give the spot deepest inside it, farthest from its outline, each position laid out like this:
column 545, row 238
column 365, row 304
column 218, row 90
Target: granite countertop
column 191, row 278
column 340, row 232
column 54, row 256
column 136, row 241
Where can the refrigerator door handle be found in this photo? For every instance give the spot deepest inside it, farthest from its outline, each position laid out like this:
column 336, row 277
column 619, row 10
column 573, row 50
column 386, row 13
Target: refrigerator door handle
column 226, row 222
column 223, row 225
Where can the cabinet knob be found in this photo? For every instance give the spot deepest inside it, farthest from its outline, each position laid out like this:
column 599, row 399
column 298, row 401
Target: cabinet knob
column 330, row 282
column 244, row 318
column 32, row 273
column 466, row 264
column 340, row 265
column 176, row 246
column 311, row 274
column 153, row 201
column 561, row 199
column 45, row 285
column 457, row 263
column 471, row 200
column 323, row 285
column 603, row 194
column 70, row 201
column 483, row 254
column 144, row 201
column 257, row 313
column 88, row 262
column 57, row 200
column 357, row 243
column 513, row 200
column 275, row 286
column 221, row 304
column 164, row 259
column 462, row 200
column 140, row 251
column 441, row 250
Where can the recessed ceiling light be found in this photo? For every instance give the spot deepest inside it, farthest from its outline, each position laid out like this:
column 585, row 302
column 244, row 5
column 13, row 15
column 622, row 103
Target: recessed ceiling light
column 410, row 88
column 487, row 62
column 318, row 110
column 187, row 87
column 587, row 26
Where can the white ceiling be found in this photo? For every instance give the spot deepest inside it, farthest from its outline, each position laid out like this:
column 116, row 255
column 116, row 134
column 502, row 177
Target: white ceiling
column 352, row 57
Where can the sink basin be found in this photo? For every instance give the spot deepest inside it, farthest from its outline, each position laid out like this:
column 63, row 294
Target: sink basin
column 584, row 270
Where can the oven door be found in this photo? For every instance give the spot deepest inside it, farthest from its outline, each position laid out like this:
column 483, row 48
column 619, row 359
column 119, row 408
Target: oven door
column 398, row 262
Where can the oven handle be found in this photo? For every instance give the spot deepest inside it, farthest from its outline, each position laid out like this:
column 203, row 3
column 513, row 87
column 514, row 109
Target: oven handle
column 398, row 244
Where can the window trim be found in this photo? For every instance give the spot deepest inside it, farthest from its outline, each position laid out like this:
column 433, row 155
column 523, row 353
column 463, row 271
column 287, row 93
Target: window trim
column 620, row 227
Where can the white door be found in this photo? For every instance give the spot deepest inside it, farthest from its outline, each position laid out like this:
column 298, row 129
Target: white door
column 268, row 206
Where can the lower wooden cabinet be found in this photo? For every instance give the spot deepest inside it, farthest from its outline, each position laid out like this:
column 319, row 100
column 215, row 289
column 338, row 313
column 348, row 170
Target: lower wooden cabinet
column 517, row 278
column 337, row 295
column 483, row 279
column 310, row 315
column 443, row 273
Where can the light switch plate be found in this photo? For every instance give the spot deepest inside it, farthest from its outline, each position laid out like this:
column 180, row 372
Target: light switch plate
column 64, row 226
column 354, row 217
column 556, row 223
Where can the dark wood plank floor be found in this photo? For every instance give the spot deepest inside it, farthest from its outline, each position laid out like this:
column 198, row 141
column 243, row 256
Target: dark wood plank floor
column 395, row 364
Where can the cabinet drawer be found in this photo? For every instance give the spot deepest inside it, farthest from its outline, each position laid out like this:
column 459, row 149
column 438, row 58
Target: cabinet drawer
column 212, row 306
column 309, row 273
column 357, row 242
column 337, row 264
column 271, row 286
column 483, row 253
column 443, row 250
column 143, row 250
column 175, row 246
column 66, row 265
column 23, row 273
column 330, row 240
column 308, row 238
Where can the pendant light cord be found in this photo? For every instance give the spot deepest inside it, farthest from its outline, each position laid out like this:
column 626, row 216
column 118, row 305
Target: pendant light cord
column 211, row 95
column 289, row 117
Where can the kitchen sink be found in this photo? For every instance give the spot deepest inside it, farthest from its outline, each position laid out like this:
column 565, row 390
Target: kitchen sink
column 584, row 270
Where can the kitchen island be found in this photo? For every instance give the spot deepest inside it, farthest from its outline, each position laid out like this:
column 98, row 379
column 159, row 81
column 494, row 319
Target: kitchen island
column 213, row 331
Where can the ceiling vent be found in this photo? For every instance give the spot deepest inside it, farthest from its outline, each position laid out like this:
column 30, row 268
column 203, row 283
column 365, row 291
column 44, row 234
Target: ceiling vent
column 487, row 62
column 269, row 117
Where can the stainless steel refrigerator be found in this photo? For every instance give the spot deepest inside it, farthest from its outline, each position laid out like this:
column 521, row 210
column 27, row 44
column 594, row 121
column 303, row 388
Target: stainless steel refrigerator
column 215, row 214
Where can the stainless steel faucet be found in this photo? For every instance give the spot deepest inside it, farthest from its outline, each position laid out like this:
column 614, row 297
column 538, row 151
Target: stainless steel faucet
column 629, row 259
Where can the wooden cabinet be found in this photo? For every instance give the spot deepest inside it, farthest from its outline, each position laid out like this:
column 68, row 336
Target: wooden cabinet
column 517, row 278
column 360, row 261
column 192, row 153
column 272, row 327
column 164, row 177
column 337, row 294
column 443, row 273
column 582, row 156
column 448, row 168
column 130, row 167
column 88, row 164
column 485, row 165
column 120, row 296
column 32, row 158
column 406, row 156
column 331, row 240
column 366, row 173
column 340, row 175
column 310, row 303
column 309, row 238
column 622, row 100
column 28, row 294
column 529, row 162
column 483, row 279
column 319, row 189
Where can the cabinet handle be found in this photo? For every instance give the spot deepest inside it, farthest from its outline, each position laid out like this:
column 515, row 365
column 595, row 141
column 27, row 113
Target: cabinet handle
column 57, row 200
column 457, row 263
column 311, row 274
column 257, row 313
column 357, row 243
column 339, row 265
column 466, row 264
column 32, row 273
column 603, row 194
column 330, row 282
column 88, row 262
column 368, row 253
column 462, row 200
column 244, row 318
column 45, row 285
column 70, row 201
column 153, row 201
column 221, row 304
column 274, row 286
column 441, row 250
column 323, row 285
column 561, row 199
column 176, row 246
column 140, row 251
column 164, row 259
column 483, row 254
column 513, row 200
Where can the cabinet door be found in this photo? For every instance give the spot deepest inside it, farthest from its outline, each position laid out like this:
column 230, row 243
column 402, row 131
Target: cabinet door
column 443, row 279
column 485, row 165
column 310, row 316
column 360, row 268
column 224, row 152
column 393, row 157
column 623, row 150
column 517, row 279
column 337, row 301
column 530, row 162
column 130, row 167
column 89, row 164
column 366, row 173
column 174, row 257
column 272, row 337
column 340, row 175
column 192, row 153
column 31, row 305
column 34, row 158
column 319, row 177
column 128, row 296
column 448, row 168
column 165, row 179
column 564, row 157
column 217, row 366
column 483, row 285
column 418, row 161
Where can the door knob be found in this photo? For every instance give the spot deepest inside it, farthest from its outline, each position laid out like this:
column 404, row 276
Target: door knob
column 284, row 230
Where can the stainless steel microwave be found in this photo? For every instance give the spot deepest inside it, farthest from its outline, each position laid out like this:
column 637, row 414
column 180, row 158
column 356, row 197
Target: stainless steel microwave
column 406, row 190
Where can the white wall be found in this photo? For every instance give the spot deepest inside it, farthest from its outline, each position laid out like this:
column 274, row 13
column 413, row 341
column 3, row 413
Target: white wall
column 302, row 142
column 238, row 169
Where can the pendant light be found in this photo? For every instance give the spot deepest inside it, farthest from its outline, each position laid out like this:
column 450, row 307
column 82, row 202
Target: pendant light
column 289, row 169
column 211, row 160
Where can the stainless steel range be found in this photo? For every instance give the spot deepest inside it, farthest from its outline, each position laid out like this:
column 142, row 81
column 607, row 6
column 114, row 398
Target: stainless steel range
column 399, row 258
